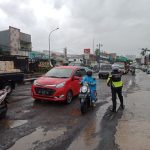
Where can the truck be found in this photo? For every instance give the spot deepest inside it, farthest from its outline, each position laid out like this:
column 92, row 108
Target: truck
column 9, row 76
column 123, row 67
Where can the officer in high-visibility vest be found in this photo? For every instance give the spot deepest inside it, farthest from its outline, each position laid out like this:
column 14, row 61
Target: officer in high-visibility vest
column 116, row 84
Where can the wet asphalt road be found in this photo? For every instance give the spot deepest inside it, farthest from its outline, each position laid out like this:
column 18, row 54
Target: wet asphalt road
column 46, row 125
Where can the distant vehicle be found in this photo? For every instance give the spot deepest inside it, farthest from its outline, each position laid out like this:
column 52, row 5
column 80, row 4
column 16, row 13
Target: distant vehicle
column 148, row 71
column 75, row 64
column 137, row 66
column 121, row 67
column 144, row 69
column 96, row 68
column 58, row 84
column 104, row 71
column 9, row 76
column 87, row 69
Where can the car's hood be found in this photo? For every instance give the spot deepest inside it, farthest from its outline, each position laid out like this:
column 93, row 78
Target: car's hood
column 50, row 81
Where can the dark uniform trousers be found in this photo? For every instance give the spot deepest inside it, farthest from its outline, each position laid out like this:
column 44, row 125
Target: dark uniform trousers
column 115, row 92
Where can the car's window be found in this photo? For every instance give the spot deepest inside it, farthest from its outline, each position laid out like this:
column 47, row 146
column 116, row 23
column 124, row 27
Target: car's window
column 83, row 72
column 106, row 67
column 78, row 73
column 59, row 73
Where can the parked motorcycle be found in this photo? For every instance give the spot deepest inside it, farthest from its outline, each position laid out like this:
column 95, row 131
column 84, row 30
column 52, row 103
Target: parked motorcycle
column 85, row 98
column 3, row 103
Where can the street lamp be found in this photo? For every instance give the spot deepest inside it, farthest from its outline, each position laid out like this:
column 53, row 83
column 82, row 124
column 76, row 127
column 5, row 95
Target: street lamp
column 49, row 45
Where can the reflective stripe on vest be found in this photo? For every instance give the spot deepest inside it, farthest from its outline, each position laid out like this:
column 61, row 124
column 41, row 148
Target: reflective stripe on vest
column 117, row 84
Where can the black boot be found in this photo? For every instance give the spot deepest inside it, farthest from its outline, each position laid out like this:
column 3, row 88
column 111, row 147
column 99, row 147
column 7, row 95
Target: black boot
column 122, row 106
column 113, row 110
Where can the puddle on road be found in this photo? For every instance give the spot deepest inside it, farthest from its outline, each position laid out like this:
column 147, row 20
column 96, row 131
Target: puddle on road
column 27, row 142
column 89, row 138
column 13, row 123
column 75, row 112
column 26, row 111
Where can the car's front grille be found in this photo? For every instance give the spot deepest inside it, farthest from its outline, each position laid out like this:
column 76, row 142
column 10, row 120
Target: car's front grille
column 44, row 91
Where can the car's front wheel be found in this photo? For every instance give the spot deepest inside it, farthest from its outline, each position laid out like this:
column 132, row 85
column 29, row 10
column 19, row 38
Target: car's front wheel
column 69, row 97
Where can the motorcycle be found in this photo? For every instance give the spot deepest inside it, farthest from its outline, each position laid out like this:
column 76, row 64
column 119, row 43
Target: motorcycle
column 3, row 103
column 132, row 71
column 85, row 98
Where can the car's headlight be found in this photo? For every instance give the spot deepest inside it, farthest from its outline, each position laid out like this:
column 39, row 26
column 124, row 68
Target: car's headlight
column 35, row 82
column 60, row 85
column 84, row 89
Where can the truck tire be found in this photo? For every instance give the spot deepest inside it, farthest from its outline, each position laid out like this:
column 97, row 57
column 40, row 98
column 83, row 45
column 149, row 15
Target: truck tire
column 8, row 88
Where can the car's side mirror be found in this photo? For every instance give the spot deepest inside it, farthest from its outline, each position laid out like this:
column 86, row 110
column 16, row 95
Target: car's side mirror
column 76, row 78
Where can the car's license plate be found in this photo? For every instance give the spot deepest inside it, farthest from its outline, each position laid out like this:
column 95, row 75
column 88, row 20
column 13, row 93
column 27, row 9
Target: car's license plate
column 42, row 92
column 82, row 95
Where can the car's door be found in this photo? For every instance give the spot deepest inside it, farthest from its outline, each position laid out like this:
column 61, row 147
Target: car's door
column 77, row 78
column 76, row 82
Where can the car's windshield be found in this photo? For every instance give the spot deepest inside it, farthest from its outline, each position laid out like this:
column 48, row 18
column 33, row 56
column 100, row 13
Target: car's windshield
column 74, row 64
column 106, row 67
column 121, row 67
column 59, row 73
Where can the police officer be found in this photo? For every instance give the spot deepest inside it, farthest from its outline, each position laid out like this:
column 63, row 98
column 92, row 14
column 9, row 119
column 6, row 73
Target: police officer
column 116, row 84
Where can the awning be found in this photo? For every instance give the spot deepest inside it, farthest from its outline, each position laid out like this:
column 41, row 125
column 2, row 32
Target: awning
column 121, row 59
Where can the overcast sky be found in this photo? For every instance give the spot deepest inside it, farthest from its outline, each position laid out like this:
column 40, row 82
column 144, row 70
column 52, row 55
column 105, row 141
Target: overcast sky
column 122, row 26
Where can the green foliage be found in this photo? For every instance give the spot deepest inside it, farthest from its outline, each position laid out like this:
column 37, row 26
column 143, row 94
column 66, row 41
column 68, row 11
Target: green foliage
column 97, row 52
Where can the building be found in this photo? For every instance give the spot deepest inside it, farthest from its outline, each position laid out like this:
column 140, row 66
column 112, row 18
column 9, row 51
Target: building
column 75, row 58
column 14, row 42
column 57, row 58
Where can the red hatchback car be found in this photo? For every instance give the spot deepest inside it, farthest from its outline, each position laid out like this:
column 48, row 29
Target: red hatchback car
column 58, row 84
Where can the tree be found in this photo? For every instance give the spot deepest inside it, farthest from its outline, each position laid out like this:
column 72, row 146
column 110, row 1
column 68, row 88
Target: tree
column 97, row 52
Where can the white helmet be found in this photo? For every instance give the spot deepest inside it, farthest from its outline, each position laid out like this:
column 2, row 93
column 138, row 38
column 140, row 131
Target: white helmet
column 115, row 68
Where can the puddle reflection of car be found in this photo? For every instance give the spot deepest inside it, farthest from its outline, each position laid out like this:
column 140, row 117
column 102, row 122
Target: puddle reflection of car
column 58, row 84
column 104, row 71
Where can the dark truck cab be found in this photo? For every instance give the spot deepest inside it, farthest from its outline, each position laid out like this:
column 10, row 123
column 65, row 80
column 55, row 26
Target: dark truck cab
column 104, row 71
column 8, row 80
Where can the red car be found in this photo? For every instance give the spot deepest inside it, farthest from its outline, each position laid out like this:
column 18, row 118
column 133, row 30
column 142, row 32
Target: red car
column 58, row 84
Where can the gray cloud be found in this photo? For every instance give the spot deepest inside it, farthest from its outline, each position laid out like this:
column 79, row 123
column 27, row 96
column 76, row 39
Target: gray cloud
column 122, row 26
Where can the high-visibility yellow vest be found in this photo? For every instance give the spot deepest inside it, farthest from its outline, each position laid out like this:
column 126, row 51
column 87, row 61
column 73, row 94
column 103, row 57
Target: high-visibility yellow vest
column 114, row 83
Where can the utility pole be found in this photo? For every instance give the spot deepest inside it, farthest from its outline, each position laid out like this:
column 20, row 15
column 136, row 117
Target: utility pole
column 99, row 46
column 93, row 47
